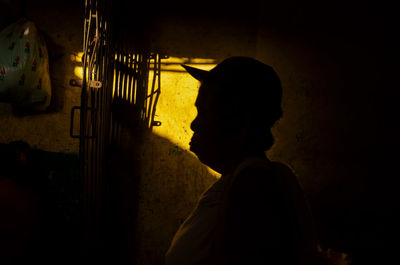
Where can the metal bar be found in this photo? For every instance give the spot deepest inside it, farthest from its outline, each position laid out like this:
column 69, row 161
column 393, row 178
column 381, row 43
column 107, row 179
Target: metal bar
column 134, row 88
column 120, row 75
column 82, row 142
column 125, row 75
column 145, row 87
column 149, row 110
column 158, row 91
column 71, row 132
column 131, row 73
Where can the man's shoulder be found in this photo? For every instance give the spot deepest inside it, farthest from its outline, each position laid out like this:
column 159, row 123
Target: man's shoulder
column 268, row 178
column 263, row 169
column 255, row 175
column 281, row 169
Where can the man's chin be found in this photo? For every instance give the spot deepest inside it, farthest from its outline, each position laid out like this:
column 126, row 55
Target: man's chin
column 201, row 156
column 191, row 147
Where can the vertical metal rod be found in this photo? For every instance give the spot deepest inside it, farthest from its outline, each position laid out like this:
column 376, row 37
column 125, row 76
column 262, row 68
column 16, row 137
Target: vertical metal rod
column 157, row 69
column 145, row 88
column 134, row 84
column 150, row 107
column 130, row 75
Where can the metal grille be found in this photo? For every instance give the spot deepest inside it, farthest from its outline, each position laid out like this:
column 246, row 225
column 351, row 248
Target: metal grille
column 120, row 88
column 96, row 96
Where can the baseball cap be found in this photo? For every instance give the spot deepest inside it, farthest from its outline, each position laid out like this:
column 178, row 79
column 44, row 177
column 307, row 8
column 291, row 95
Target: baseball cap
column 252, row 85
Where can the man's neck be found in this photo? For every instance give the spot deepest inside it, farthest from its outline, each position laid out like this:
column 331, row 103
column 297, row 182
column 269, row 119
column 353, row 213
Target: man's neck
column 232, row 161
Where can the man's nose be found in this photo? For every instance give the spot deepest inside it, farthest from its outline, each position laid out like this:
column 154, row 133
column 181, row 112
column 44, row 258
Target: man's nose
column 194, row 124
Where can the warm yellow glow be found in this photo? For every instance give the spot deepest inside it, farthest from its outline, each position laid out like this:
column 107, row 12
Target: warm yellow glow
column 76, row 57
column 115, row 74
column 174, row 64
column 79, row 57
column 187, row 60
column 213, row 172
column 175, row 108
column 78, row 71
column 202, row 61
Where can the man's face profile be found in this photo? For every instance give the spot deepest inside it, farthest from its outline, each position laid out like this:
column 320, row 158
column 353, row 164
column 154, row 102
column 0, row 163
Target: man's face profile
column 207, row 137
column 227, row 128
column 212, row 141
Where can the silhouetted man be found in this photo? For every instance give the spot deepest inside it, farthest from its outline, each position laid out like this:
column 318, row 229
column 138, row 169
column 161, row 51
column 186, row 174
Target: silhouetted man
column 255, row 213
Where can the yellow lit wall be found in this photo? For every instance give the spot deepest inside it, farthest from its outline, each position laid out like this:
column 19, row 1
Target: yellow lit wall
column 157, row 178
column 77, row 58
column 175, row 108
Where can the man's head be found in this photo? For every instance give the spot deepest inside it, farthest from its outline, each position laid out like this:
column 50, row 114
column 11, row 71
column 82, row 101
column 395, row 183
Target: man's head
column 238, row 102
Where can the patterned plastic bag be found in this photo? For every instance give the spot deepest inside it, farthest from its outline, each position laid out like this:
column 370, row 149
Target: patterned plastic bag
column 24, row 67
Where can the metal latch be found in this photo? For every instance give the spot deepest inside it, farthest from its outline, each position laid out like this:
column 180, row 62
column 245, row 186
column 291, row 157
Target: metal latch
column 156, row 123
column 92, row 83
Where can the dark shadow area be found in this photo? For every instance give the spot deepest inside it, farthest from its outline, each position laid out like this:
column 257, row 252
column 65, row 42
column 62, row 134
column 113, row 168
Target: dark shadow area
column 39, row 206
column 357, row 205
column 154, row 185
column 56, row 52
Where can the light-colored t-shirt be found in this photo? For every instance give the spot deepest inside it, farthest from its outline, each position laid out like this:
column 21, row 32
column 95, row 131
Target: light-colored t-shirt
column 195, row 242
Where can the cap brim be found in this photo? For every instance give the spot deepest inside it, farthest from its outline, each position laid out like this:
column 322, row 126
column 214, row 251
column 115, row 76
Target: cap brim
column 199, row 74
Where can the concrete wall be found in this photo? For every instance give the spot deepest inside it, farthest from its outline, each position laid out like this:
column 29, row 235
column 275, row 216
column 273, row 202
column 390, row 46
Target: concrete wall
column 62, row 25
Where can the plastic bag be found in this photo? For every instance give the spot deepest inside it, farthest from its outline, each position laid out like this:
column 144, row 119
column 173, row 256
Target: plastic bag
column 24, row 67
